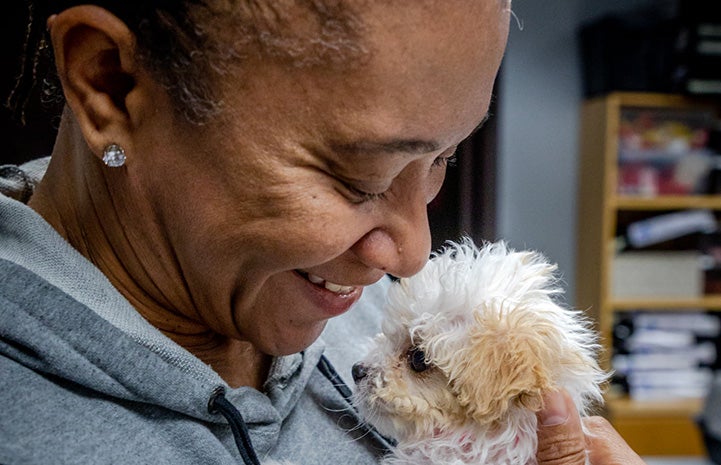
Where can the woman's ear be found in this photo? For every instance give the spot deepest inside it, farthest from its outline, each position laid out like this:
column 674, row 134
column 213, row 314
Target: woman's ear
column 96, row 63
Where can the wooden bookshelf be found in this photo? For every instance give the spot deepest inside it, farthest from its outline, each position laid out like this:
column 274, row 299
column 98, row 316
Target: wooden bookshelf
column 711, row 202
column 651, row 428
column 658, row 428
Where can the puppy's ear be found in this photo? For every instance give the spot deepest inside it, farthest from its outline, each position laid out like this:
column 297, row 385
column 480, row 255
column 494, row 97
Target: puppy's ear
column 508, row 363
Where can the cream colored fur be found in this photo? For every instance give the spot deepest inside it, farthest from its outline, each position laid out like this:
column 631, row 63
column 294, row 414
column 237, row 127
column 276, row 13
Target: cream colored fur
column 494, row 339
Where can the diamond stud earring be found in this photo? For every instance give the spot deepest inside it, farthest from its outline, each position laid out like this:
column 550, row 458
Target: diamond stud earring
column 114, row 156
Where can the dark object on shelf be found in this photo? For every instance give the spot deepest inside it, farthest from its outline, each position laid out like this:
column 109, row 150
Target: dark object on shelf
column 714, row 177
column 713, row 445
column 710, row 421
column 714, row 145
column 710, row 246
column 677, row 50
column 699, row 44
column 714, row 137
column 631, row 52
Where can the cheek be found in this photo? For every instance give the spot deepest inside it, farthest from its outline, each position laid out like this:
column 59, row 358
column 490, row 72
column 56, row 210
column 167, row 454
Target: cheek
column 248, row 205
column 313, row 233
column 435, row 182
column 281, row 231
column 421, row 180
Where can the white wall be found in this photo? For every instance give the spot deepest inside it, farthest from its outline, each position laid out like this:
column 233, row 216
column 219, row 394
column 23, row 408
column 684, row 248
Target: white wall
column 540, row 95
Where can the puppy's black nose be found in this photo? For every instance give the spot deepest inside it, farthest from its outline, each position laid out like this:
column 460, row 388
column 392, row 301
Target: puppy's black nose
column 359, row 372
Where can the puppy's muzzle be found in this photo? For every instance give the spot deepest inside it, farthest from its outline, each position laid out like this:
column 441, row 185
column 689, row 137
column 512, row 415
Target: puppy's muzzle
column 359, row 371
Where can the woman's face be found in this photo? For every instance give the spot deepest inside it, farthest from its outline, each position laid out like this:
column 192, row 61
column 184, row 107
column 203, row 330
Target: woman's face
column 314, row 184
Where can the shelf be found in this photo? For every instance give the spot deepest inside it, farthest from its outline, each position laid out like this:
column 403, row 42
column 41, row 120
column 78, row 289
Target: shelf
column 654, row 100
column 711, row 202
column 625, row 407
column 709, row 302
column 658, row 428
column 649, row 427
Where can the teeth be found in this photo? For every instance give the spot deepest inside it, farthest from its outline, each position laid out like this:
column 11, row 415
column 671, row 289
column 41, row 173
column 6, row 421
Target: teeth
column 337, row 288
column 315, row 279
column 333, row 287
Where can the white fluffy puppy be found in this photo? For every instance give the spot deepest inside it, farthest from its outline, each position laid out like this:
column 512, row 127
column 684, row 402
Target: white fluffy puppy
column 469, row 345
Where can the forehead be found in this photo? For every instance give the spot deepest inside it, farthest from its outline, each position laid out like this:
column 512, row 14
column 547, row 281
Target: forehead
column 323, row 31
column 297, row 33
column 428, row 73
column 431, row 66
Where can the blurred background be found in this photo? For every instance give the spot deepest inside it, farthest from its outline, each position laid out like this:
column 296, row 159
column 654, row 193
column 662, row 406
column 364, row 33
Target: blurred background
column 604, row 153
column 607, row 159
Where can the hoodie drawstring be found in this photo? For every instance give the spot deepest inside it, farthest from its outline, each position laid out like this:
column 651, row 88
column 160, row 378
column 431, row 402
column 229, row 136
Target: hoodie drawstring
column 219, row 404
column 325, row 367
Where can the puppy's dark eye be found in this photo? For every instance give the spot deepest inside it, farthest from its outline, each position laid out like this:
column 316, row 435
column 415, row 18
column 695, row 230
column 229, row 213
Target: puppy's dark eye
column 417, row 360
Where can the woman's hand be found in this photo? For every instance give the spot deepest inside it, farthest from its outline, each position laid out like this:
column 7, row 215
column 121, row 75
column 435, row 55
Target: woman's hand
column 561, row 440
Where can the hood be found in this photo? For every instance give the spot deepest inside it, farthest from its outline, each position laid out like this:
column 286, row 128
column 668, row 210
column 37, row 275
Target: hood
column 51, row 333
column 61, row 317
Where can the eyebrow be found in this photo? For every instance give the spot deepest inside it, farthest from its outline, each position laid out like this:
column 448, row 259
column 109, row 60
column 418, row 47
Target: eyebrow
column 368, row 147
column 409, row 146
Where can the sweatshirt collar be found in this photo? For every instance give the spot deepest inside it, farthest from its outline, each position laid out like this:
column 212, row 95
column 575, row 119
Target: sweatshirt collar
column 31, row 243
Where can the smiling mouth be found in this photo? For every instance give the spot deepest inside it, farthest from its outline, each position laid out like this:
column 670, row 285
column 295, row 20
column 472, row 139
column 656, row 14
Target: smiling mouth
column 332, row 287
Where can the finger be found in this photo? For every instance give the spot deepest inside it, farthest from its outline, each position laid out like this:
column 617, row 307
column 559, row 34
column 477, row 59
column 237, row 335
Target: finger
column 606, row 446
column 560, row 436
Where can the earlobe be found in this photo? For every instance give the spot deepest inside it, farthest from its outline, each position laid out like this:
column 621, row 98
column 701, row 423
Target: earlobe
column 95, row 61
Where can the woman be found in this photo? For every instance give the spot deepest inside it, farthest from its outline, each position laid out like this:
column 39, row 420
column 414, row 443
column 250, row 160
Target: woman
column 227, row 177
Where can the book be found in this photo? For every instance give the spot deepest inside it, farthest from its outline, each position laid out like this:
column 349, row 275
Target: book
column 701, row 354
column 666, row 355
column 698, row 323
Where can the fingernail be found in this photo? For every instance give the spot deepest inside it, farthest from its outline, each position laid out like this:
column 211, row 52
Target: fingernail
column 555, row 411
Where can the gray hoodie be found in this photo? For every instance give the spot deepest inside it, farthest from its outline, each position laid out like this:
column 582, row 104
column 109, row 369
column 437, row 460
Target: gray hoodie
column 84, row 379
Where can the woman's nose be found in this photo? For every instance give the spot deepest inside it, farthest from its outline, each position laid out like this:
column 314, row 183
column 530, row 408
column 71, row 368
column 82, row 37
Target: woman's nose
column 400, row 242
column 398, row 254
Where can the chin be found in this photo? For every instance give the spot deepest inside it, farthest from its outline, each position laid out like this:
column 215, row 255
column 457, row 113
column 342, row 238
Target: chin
column 294, row 341
column 469, row 347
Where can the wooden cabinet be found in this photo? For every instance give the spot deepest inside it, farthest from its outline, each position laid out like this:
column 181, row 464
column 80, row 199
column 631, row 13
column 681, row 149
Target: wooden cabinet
column 664, row 427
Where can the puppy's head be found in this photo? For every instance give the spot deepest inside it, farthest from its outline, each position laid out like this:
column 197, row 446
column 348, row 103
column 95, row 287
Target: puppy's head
column 472, row 339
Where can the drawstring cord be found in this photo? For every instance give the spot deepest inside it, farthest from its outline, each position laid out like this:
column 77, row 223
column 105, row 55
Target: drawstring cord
column 325, row 367
column 219, row 404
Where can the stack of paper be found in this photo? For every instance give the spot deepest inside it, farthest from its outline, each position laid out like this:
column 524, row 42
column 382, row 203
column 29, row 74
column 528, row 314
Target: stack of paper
column 668, row 356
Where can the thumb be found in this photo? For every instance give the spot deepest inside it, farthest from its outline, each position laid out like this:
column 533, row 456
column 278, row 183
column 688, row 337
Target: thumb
column 560, row 437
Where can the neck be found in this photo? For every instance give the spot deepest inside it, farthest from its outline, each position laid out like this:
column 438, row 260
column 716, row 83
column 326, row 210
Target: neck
column 95, row 209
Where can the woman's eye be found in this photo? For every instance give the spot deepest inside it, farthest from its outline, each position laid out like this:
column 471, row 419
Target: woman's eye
column 360, row 196
column 417, row 360
column 363, row 196
column 446, row 160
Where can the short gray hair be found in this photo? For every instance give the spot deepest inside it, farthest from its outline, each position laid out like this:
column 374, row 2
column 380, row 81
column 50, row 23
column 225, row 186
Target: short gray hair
column 188, row 44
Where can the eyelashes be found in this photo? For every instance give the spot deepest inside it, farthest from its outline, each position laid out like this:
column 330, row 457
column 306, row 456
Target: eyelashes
column 361, row 196
column 447, row 160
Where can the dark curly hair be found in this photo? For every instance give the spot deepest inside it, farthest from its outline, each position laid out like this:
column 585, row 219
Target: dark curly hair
column 187, row 44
